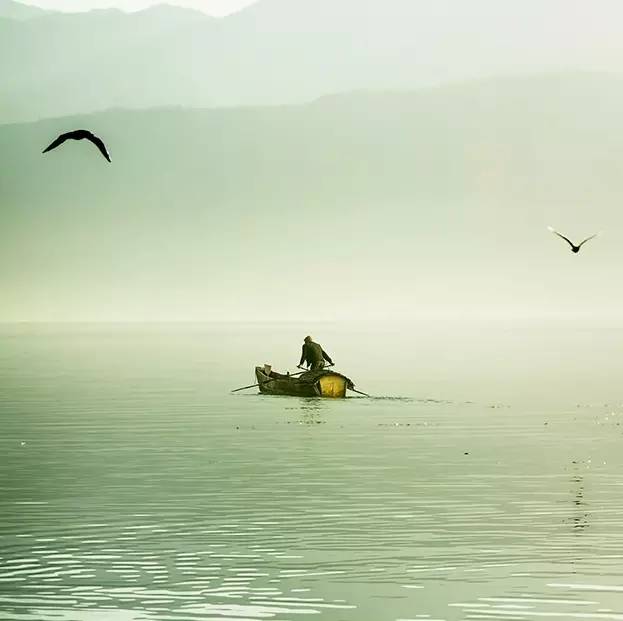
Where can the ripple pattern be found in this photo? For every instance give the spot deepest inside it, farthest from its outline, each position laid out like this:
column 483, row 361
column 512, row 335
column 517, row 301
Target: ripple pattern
column 134, row 489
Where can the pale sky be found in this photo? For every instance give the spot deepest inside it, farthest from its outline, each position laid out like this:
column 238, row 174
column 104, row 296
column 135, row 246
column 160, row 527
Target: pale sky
column 212, row 7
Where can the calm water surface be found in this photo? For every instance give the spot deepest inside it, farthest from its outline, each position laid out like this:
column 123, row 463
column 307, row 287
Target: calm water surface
column 485, row 481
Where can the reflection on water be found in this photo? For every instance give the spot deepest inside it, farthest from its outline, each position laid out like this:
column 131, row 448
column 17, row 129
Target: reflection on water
column 134, row 487
column 580, row 519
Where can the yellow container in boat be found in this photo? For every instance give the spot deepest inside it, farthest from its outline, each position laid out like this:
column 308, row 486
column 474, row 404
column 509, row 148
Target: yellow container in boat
column 332, row 386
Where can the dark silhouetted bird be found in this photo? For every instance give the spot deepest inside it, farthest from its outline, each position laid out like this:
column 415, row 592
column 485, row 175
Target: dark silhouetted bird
column 80, row 134
column 574, row 248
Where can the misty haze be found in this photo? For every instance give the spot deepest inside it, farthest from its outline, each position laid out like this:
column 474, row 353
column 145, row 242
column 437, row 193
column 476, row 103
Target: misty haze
column 382, row 178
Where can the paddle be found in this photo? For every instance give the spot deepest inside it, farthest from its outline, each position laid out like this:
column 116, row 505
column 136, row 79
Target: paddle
column 273, row 379
column 360, row 393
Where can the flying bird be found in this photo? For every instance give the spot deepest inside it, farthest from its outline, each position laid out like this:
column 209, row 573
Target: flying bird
column 574, row 248
column 80, row 134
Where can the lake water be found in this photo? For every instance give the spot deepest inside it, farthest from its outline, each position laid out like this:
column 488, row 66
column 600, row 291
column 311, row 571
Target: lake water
column 483, row 481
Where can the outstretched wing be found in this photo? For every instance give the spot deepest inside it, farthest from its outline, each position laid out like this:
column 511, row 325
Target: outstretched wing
column 562, row 237
column 57, row 143
column 99, row 143
column 588, row 239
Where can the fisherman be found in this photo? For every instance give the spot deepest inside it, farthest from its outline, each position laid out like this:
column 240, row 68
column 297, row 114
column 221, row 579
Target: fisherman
column 313, row 355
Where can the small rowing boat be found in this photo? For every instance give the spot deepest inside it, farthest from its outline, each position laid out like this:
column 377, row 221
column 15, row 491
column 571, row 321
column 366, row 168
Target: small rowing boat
column 321, row 383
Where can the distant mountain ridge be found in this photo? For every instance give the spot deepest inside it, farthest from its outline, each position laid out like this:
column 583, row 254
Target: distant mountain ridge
column 432, row 195
column 289, row 51
column 17, row 10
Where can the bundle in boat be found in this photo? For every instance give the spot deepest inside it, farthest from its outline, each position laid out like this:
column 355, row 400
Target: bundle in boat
column 321, row 383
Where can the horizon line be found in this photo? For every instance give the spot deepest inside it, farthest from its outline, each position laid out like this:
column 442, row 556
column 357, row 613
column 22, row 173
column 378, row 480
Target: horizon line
column 427, row 318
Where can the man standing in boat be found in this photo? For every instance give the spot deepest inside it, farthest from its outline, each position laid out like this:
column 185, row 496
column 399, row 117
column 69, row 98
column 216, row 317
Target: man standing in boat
column 313, row 355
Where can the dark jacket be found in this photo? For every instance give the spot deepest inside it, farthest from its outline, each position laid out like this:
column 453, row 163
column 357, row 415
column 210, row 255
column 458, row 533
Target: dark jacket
column 312, row 353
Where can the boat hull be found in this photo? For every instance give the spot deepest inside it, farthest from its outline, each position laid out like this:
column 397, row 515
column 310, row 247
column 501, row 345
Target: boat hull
column 325, row 384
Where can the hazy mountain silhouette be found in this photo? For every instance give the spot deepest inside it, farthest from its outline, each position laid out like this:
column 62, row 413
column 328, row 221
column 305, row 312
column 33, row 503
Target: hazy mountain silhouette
column 18, row 11
column 436, row 198
column 284, row 51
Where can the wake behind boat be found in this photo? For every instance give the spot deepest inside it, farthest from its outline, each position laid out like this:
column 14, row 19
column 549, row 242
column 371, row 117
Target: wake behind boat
column 319, row 383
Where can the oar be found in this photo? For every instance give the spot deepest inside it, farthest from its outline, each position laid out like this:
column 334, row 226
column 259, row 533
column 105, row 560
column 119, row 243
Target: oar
column 273, row 379
column 359, row 392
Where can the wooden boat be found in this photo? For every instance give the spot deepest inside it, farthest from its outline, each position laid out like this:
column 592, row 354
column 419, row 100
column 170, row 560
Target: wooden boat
column 322, row 383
